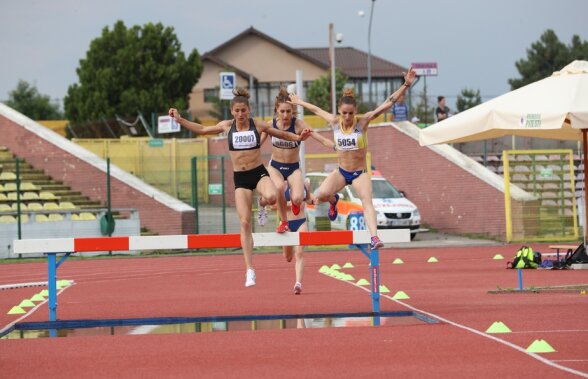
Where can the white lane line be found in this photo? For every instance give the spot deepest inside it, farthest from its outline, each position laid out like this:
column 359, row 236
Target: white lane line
column 482, row 334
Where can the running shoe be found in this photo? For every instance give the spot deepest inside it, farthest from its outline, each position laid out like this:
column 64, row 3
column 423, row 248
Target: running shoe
column 250, row 279
column 333, row 209
column 376, row 243
column 261, row 213
column 295, row 209
column 283, row 227
column 297, row 288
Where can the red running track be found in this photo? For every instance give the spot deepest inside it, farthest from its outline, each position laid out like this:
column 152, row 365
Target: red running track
column 455, row 289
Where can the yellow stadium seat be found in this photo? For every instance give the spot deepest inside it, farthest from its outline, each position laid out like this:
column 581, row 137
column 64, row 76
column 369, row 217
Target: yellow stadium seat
column 41, row 218
column 1, row 187
column 56, row 217
column 5, row 208
column 35, row 207
column 23, row 207
column 7, row 175
column 67, row 205
column 7, row 219
column 3, row 196
column 28, row 186
column 11, row 196
column 10, row 187
column 87, row 216
column 50, row 206
column 46, row 195
column 30, row 196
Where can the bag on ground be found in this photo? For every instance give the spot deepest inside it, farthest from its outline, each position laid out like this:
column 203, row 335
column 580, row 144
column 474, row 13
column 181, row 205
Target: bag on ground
column 525, row 258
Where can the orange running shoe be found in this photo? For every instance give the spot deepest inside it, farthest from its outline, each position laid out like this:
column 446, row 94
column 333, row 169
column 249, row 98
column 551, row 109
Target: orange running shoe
column 283, row 227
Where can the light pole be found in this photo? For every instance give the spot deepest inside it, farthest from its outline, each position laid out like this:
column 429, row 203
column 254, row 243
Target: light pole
column 332, row 59
column 369, row 62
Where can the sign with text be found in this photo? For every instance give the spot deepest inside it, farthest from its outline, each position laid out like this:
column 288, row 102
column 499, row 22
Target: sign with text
column 228, row 81
column 425, row 68
column 166, row 124
column 215, row 189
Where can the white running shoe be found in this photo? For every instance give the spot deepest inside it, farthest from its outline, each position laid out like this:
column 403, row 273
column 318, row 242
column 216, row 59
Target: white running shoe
column 261, row 213
column 250, row 280
column 297, row 288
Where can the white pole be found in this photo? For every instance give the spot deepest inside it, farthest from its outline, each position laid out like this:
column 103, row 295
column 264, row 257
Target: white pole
column 300, row 111
column 332, row 55
column 369, row 62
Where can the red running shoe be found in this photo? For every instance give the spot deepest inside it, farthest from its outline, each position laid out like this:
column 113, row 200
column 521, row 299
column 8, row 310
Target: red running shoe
column 376, row 243
column 333, row 209
column 283, row 227
column 295, row 209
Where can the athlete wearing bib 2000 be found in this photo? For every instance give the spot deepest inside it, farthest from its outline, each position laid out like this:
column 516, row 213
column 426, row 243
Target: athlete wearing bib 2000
column 246, row 140
column 355, row 139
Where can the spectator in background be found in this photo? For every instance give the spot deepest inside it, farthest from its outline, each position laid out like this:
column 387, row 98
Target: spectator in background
column 442, row 111
column 399, row 111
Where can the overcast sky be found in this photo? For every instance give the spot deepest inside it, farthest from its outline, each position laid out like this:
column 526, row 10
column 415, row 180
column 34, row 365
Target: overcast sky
column 475, row 43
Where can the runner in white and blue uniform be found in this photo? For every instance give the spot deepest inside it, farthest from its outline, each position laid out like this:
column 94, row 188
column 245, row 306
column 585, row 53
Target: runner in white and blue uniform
column 350, row 135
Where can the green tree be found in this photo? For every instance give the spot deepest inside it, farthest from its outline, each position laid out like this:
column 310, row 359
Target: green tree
column 319, row 92
column 468, row 98
column 547, row 55
column 424, row 109
column 130, row 70
column 27, row 100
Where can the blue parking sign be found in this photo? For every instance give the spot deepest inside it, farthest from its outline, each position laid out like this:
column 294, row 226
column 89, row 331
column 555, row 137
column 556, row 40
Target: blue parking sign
column 227, row 84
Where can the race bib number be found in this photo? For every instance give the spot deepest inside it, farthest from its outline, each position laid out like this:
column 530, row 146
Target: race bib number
column 244, row 140
column 348, row 142
column 277, row 142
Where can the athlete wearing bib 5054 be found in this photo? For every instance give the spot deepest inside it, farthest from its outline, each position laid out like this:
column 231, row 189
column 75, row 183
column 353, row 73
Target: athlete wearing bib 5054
column 284, row 166
column 350, row 135
column 249, row 172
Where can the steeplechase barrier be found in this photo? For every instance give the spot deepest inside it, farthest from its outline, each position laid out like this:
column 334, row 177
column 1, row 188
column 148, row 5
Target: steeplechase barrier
column 51, row 247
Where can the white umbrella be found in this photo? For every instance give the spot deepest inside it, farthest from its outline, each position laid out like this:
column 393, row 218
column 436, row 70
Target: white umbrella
column 555, row 108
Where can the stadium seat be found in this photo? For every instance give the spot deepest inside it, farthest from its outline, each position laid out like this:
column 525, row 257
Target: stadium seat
column 41, row 218
column 67, row 205
column 30, row 196
column 7, row 175
column 3, row 196
column 46, row 195
column 7, row 219
column 8, row 187
column 5, row 208
column 28, row 186
column 23, row 206
column 1, row 188
column 86, row 216
column 50, row 206
column 35, row 207
column 11, row 196
column 56, row 217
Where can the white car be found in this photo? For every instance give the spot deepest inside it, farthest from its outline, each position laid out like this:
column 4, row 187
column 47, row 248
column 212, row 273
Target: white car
column 393, row 210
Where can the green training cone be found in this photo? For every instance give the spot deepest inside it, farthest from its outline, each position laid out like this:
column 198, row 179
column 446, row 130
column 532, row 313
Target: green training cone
column 498, row 327
column 26, row 303
column 335, row 267
column 400, row 295
column 348, row 277
column 432, row 260
column 362, row 282
column 384, row 289
column 324, row 269
column 348, row 265
column 540, row 346
column 37, row 297
column 398, row 261
column 16, row 310
column 498, row 256
column 44, row 293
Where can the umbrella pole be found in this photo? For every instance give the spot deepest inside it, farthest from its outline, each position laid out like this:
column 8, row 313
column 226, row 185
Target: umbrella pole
column 585, row 160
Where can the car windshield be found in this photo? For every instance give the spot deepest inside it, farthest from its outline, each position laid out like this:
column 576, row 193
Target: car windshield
column 382, row 189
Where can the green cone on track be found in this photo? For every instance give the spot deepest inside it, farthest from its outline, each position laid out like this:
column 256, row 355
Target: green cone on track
column 400, row 295
column 362, row 282
column 348, row 265
column 44, row 293
column 26, row 303
column 384, row 289
column 498, row 257
column 432, row 260
column 540, row 346
column 398, row 261
column 498, row 327
column 37, row 297
column 348, row 278
column 335, row 267
column 324, row 269
column 16, row 310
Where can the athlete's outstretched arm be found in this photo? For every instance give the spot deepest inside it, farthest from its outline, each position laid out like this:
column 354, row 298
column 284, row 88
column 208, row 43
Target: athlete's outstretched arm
column 265, row 127
column 328, row 117
column 409, row 78
column 301, row 125
column 196, row 127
